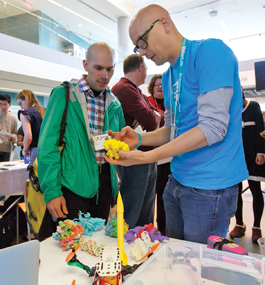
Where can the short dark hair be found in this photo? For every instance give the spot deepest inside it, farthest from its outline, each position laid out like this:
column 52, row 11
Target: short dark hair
column 132, row 62
column 5, row 97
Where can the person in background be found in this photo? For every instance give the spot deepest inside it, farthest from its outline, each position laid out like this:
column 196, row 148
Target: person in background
column 163, row 167
column 202, row 131
column 78, row 178
column 20, row 136
column 137, row 182
column 31, row 118
column 156, row 92
column 8, row 123
column 254, row 148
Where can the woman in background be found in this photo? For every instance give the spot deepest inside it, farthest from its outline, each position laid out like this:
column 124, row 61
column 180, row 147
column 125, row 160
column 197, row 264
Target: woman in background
column 31, row 119
column 163, row 167
column 254, row 148
column 20, row 136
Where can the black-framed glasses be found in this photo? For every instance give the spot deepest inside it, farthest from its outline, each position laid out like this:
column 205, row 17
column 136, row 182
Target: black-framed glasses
column 141, row 43
column 20, row 103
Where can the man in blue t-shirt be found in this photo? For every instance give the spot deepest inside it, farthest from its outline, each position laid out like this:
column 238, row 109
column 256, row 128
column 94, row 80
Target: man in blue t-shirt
column 202, row 127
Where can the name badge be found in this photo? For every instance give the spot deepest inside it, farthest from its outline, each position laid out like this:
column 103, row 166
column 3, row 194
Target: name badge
column 99, row 141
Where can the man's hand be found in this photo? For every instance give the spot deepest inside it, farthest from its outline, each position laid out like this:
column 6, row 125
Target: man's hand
column 127, row 135
column 10, row 137
column 57, row 207
column 128, row 158
column 260, row 159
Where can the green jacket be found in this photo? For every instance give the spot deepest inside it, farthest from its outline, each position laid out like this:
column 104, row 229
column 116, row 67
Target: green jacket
column 77, row 169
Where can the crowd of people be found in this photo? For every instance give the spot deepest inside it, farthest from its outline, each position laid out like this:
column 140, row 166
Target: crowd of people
column 185, row 139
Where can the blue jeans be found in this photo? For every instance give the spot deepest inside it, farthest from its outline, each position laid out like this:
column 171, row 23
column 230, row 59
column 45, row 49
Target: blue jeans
column 137, row 189
column 33, row 155
column 195, row 214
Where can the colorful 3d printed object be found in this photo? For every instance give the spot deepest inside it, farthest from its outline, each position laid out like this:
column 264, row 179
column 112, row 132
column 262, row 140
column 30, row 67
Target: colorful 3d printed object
column 68, row 234
column 153, row 233
column 91, row 247
column 90, row 224
column 143, row 246
column 113, row 146
column 111, row 227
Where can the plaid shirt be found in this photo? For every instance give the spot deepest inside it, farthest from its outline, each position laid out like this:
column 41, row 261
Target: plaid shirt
column 96, row 112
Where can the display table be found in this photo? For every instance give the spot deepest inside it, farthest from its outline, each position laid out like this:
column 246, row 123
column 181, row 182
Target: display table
column 12, row 180
column 54, row 270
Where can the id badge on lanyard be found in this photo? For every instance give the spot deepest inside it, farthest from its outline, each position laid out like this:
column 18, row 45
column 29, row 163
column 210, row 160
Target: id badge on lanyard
column 175, row 90
column 97, row 139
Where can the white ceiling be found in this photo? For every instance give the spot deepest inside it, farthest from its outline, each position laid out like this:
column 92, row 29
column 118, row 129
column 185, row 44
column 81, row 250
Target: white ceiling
column 235, row 18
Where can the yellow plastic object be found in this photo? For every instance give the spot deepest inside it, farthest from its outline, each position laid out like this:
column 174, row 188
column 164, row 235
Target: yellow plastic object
column 120, row 235
column 113, row 147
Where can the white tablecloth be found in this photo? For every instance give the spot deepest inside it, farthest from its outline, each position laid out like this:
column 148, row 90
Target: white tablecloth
column 55, row 271
column 13, row 180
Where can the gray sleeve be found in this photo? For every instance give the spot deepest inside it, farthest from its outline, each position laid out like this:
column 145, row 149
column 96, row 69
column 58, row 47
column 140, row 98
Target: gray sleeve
column 169, row 118
column 213, row 108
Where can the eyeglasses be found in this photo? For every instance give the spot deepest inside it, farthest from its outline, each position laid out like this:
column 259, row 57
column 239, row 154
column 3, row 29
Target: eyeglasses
column 141, row 43
column 20, row 103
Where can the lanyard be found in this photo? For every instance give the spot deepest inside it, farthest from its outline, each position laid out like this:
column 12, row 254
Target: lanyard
column 175, row 96
column 92, row 122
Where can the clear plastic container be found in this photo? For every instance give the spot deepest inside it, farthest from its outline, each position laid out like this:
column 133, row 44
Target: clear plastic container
column 188, row 263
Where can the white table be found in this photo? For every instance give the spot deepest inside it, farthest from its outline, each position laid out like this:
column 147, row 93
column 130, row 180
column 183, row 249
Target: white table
column 54, row 270
column 13, row 180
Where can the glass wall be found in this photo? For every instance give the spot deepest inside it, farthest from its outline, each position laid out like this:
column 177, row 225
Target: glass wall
column 38, row 28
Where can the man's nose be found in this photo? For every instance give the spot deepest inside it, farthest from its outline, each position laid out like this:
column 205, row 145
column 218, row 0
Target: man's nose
column 142, row 52
column 104, row 74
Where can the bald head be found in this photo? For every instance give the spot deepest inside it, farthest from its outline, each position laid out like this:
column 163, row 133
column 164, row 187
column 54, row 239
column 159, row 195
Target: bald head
column 163, row 39
column 148, row 15
column 99, row 47
column 99, row 65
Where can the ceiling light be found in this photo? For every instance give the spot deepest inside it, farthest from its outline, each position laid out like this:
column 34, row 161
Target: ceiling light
column 108, row 30
column 91, row 21
column 80, row 25
column 18, row 90
column 27, row 4
column 213, row 12
column 55, row 3
column 78, row 15
column 224, row 26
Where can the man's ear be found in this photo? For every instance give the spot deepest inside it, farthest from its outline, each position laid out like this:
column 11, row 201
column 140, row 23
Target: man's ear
column 85, row 64
column 166, row 24
column 141, row 67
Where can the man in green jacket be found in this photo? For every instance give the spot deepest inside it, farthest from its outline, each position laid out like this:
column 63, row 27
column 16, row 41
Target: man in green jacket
column 80, row 179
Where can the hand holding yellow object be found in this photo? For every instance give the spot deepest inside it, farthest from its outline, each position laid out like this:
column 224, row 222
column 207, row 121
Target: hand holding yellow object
column 113, row 147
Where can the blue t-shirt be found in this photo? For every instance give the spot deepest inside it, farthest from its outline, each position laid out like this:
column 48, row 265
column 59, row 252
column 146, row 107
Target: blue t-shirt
column 208, row 65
